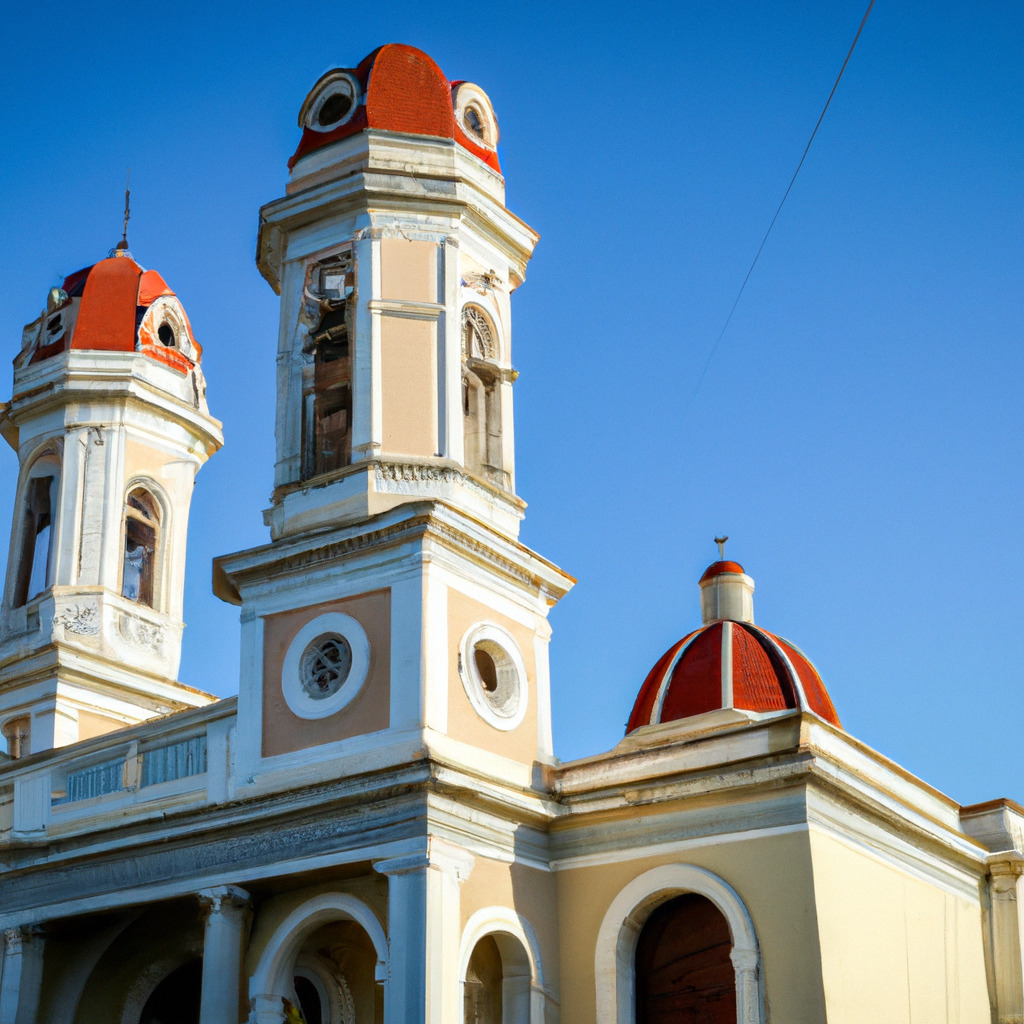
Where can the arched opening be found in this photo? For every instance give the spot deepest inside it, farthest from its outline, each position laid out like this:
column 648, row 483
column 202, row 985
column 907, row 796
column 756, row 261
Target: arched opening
column 141, row 544
column 481, row 398
column 176, row 999
column 39, row 506
column 327, row 389
column 684, row 974
column 327, row 961
column 497, row 981
column 483, row 989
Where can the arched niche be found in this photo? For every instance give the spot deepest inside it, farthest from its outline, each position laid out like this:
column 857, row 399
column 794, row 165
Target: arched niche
column 619, row 934
column 346, row 976
column 500, row 965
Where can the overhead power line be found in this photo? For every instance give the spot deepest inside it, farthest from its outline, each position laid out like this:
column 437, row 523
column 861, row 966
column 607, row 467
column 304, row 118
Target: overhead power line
column 789, row 188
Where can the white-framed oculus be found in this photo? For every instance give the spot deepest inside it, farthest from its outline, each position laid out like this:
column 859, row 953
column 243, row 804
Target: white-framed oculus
column 494, row 675
column 325, row 666
column 332, row 102
column 475, row 114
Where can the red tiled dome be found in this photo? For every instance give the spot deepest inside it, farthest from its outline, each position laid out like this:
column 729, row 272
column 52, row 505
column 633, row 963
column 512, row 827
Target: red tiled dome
column 105, row 310
column 762, row 671
column 401, row 90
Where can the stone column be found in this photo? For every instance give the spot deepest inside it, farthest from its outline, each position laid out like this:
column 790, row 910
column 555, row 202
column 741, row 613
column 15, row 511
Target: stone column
column 748, row 995
column 424, row 931
column 21, row 981
column 222, row 953
column 1004, row 875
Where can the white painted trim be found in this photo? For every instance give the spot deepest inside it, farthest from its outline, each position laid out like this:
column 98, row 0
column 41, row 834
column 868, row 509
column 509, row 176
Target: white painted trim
column 669, row 849
column 473, row 684
column 520, row 958
column 298, row 700
column 273, row 974
column 659, row 701
column 727, row 695
column 625, row 918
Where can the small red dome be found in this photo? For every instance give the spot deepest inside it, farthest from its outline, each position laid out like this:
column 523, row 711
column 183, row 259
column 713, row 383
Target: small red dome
column 717, row 568
column 105, row 309
column 401, row 90
column 730, row 664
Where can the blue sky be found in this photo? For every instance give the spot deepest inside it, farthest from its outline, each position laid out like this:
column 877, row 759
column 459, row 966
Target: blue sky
column 858, row 431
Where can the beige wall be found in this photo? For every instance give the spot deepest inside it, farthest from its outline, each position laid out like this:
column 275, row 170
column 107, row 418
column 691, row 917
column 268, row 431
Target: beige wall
column 367, row 712
column 408, row 270
column 529, row 892
column 90, row 725
column 894, row 948
column 463, row 721
column 408, row 351
column 773, row 878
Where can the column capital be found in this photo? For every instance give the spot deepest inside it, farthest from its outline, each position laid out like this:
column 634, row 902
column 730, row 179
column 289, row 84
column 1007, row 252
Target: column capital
column 1006, row 865
column 223, row 898
column 440, row 854
column 744, row 959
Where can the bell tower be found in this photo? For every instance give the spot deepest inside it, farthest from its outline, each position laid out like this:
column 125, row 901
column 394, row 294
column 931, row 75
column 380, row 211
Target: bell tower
column 394, row 609
column 110, row 423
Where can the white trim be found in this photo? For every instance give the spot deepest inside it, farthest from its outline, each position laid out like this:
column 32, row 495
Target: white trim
column 625, row 918
column 517, row 943
column 491, row 632
column 727, row 695
column 273, row 974
column 298, row 700
column 666, row 679
column 588, row 860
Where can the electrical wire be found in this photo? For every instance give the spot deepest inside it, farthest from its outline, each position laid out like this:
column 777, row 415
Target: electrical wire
column 789, row 188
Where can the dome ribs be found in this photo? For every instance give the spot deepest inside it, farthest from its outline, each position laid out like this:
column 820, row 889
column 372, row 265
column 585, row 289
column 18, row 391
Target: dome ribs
column 760, row 679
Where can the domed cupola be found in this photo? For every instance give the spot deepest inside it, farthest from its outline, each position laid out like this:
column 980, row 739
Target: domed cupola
column 729, row 662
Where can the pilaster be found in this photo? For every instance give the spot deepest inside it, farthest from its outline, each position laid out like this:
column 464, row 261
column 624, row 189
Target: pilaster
column 424, row 933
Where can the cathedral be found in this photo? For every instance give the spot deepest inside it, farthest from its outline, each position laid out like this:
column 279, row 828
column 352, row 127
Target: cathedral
column 376, row 829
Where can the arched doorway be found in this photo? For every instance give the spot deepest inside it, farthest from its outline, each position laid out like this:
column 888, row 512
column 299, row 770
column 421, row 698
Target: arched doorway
column 684, row 974
column 176, row 999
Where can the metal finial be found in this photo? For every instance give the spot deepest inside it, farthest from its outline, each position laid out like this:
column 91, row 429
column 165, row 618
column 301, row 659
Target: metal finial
column 123, row 244
column 720, row 541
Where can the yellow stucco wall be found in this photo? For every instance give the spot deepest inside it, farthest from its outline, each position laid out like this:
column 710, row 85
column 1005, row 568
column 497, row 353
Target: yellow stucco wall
column 773, row 878
column 895, row 949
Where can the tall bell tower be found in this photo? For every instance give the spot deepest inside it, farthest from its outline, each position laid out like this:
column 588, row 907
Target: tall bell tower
column 394, row 610
column 110, row 423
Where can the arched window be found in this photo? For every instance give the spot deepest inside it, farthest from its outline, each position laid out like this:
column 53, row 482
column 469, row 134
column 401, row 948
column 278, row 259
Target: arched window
column 327, row 417
column 481, row 398
column 35, row 558
column 683, row 966
column 141, row 544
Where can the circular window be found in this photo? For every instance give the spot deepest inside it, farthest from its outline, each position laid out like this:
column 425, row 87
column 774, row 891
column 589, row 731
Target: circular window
column 325, row 666
column 334, row 103
column 166, row 335
column 494, row 675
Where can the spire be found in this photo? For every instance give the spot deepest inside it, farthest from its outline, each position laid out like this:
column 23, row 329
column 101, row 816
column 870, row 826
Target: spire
column 726, row 591
column 121, row 249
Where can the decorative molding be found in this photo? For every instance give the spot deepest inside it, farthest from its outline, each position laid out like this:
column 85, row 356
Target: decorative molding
column 407, row 308
column 223, row 899
column 82, row 620
column 482, row 283
column 146, row 636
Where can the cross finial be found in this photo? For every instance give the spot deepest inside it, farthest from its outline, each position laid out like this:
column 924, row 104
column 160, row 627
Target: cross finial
column 123, row 244
column 720, row 541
